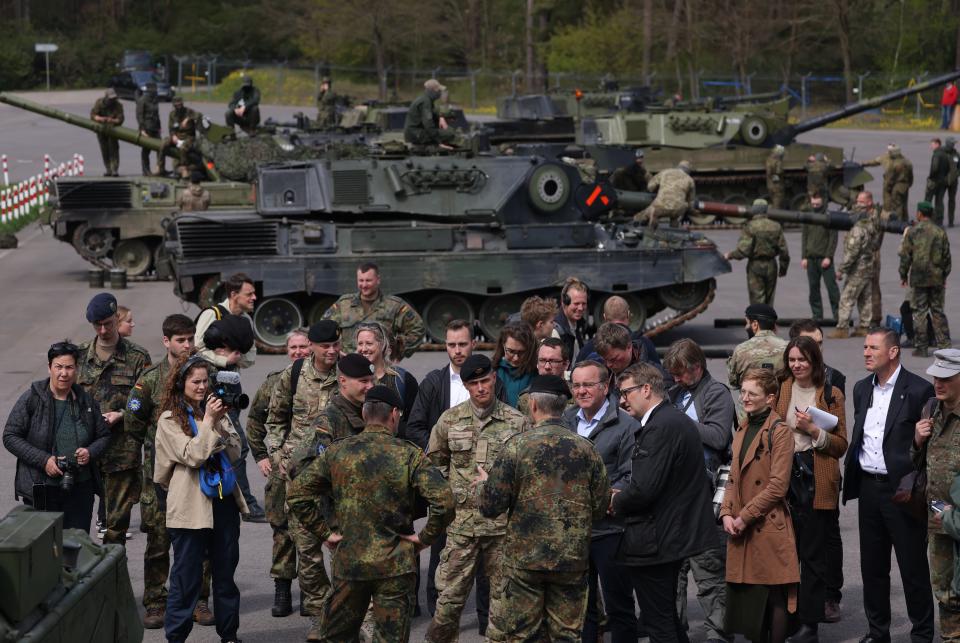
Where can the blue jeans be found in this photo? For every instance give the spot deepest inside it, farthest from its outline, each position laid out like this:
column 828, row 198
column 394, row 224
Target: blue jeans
column 946, row 115
column 617, row 593
column 190, row 548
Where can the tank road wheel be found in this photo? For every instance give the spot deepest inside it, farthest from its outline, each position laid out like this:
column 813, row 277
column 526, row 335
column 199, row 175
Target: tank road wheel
column 319, row 306
column 274, row 318
column 494, row 313
column 684, row 296
column 92, row 243
column 161, row 263
column 441, row 310
column 737, row 199
column 638, row 312
column 135, row 255
column 211, row 292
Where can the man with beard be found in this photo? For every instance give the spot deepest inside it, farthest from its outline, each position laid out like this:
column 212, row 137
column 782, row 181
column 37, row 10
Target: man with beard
column 763, row 349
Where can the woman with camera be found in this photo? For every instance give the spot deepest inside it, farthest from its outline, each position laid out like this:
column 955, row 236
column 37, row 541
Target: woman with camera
column 195, row 445
column 57, row 432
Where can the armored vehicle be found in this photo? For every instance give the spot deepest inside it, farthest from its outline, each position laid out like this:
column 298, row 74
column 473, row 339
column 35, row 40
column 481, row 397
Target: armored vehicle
column 58, row 585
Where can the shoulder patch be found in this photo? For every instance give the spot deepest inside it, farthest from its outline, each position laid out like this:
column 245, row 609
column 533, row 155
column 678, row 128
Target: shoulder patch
column 134, row 404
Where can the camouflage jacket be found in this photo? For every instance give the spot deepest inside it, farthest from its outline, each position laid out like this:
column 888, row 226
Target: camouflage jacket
column 399, row 317
column 774, row 167
column 459, row 443
column 290, row 426
column 859, row 248
column 110, row 383
column 143, row 409
column 925, row 256
column 817, row 176
column 943, row 456
column 898, row 176
column 183, row 122
column 340, row 419
column 764, row 349
column 633, row 178
column 554, row 486
column 422, row 124
column 249, row 95
column 675, row 189
column 762, row 238
column 112, row 110
column 373, row 479
column 257, row 416
column 148, row 113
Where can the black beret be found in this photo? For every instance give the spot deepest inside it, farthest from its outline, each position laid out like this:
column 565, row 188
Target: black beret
column 552, row 384
column 101, row 307
column 233, row 332
column 475, row 367
column 381, row 393
column 760, row 311
column 355, row 365
column 324, row 332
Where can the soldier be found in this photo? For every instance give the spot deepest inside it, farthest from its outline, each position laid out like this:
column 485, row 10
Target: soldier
column 949, row 146
column 554, row 486
column 195, row 198
column 925, row 264
column 342, row 417
column 109, row 112
column 776, row 182
column 817, row 166
column 859, row 265
column 423, row 125
column 148, row 120
column 244, row 107
column 283, row 566
column 182, row 130
column 466, row 438
column 633, row 177
column 937, row 179
column 110, row 365
column 818, row 246
column 897, row 179
column 761, row 243
column 676, row 194
column 370, row 304
column 375, row 551
column 763, row 349
column 299, row 396
column 327, row 100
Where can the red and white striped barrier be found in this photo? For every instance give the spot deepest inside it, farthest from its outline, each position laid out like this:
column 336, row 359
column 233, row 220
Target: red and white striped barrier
column 17, row 200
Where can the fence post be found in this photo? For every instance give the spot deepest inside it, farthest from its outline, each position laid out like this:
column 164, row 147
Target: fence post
column 803, row 95
column 6, row 171
column 473, row 88
column 860, row 78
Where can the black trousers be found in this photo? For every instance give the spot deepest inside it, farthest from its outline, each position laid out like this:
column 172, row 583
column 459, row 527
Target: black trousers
column 481, row 582
column 811, row 526
column 883, row 526
column 77, row 506
column 656, row 589
column 834, row 546
column 617, row 594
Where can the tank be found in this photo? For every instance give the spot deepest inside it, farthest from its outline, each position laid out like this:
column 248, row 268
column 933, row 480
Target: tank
column 833, row 219
column 59, row 585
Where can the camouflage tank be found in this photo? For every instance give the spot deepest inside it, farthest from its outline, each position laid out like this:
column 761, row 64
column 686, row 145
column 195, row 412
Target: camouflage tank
column 58, row 585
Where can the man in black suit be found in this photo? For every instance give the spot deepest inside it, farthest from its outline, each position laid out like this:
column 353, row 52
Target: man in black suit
column 887, row 406
column 666, row 506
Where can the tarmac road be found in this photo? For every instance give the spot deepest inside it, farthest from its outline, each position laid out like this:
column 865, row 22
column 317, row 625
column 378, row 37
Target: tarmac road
column 45, row 294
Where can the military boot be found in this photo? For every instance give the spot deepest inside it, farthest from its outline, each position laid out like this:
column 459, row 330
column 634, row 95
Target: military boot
column 860, row 332
column 153, row 620
column 202, row 614
column 921, row 351
column 282, row 601
column 314, row 633
column 839, row 333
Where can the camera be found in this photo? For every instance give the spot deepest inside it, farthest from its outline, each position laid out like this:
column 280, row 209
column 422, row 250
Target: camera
column 227, row 390
column 723, row 474
column 70, row 470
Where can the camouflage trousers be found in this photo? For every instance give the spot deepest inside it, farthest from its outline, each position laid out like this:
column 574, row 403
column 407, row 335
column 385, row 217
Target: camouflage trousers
column 284, row 561
column 653, row 214
column 876, row 296
column 762, row 280
column 343, row 613
column 156, row 556
column 710, row 574
column 929, row 301
column 856, row 293
column 121, row 490
column 454, row 579
column 777, row 197
column 940, row 551
column 110, row 151
column 312, row 575
column 898, row 205
column 552, row 601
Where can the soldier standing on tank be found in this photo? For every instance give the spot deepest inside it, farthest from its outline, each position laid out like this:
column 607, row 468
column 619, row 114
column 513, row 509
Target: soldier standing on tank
column 373, row 479
column 466, row 438
column 938, row 179
column 553, row 485
column 763, row 348
column 423, row 125
column 949, row 146
column 327, row 100
column 776, row 181
column 370, row 304
column 181, row 128
column 148, row 121
column 676, row 195
column 762, row 243
column 818, row 245
column 633, row 177
column 859, row 264
column 244, row 107
column 925, row 265
column 108, row 112
column 817, row 166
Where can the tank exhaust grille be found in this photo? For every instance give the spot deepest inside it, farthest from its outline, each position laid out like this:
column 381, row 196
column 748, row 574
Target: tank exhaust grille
column 350, row 187
column 200, row 239
column 94, row 195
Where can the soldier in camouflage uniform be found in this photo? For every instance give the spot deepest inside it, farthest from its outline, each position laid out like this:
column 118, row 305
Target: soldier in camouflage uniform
column 327, row 101
column 148, row 121
column 761, row 243
column 108, row 112
column 466, row 438
column 763, row 349
column 776, row 181
column 861, row 248
column 283, row 565
column 375, row 551
column 370, row 304
column 817, row 166
column 938, row 432
column 937, row 179
column 818, row 245
column 676, row 194
column 634, row 177
column 422, row 126
column 181, row 132
column 925, row 264
column 109, row 367
column 342, row 417
column 953, row 158
column 897, row 179
column 554, row 485
column 289, row 427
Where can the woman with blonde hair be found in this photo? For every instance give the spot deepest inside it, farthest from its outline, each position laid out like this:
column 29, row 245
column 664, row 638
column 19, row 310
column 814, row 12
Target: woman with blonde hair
column 374, row 342
column 125, row 323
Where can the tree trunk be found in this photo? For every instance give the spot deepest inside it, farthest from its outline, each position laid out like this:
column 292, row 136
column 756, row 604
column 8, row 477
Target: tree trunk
column 672, row 37
column 647, row 39
column 956, row 53
column 529, row 46
column 843, row 32
column 379, row 55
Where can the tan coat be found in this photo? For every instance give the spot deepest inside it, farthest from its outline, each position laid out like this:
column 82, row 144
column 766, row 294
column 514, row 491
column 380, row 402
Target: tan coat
column 177, row 468
column 766, row 554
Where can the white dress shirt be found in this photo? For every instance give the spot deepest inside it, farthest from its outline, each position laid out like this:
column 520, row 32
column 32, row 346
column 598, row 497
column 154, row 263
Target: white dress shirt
column 458, row 392
column 584, row 427
column 646, row 416
column 871, row 452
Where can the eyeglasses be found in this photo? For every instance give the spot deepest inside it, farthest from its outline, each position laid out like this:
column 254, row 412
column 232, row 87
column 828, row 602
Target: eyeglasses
column 513, row 352
column 585, row 385
column 750, row 396
column 550, row 362
column 630, row 389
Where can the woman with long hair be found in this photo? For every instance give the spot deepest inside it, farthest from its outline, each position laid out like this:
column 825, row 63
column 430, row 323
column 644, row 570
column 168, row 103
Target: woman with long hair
column 125, row 323
column 374, row 342
column 515, row 359
column 195, row 444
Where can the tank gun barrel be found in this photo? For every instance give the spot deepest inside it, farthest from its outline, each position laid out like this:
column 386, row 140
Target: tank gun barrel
column 832, row 219
column 748, row 98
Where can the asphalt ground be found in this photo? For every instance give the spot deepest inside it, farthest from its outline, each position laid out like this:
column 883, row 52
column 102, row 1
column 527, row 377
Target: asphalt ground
column 44, row 290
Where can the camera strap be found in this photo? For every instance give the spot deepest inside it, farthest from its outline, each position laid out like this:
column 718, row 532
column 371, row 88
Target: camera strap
column 217, row 478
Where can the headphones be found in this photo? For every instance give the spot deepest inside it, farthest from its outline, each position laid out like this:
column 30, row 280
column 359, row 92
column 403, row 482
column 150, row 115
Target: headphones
column 189, row 364
column 572, row 282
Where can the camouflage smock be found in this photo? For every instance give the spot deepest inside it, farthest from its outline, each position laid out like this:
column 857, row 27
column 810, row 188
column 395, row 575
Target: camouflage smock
column 761, row 349
column 397, row 316
column 257, row 416
column 675, row 189
column 925, row 256
column 290, row 426
column 143, row 410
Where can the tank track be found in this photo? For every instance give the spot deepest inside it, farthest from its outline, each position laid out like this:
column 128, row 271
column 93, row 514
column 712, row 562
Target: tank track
column 654, row 328
column 107, row 265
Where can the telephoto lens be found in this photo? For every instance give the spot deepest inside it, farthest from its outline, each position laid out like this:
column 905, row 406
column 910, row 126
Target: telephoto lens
column 723, row 474
column 69, row 473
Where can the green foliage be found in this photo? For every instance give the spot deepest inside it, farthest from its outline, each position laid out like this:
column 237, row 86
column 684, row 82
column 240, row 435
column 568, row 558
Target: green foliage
column 16, row 58
column 601, row 44
column 15, row 225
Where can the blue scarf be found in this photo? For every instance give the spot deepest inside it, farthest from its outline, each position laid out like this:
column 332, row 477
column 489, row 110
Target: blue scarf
column 513, row 383
column 216, row 475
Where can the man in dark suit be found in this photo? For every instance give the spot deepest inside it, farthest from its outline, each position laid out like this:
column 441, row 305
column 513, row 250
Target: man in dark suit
column 887, row 406
column 666, row 506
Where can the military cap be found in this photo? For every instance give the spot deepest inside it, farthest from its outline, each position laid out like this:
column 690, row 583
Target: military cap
column 779, row 150
column 434, row 85
column 926, row 207
column 232, row 331
column 385, row 394
column 949, row 142
column 760, row 202
column 760, row 311
column 552, row 384
column 685, row 166
column 247, row 81
column 101, row 307
column 178, row 100
column 355, row 365
column 110, row 93
column 475, row 367
column 946, row 363
column 324, row 332
column 893, row 147
column 638, row 154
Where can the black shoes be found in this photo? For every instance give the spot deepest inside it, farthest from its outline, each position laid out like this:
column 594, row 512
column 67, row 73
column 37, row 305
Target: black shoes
column 282, row 600
column 806, row 634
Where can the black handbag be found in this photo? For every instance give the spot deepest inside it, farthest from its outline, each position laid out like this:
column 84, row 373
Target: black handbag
column 802, row 486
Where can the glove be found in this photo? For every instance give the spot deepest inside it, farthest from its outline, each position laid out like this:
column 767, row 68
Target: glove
column 783, row 270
